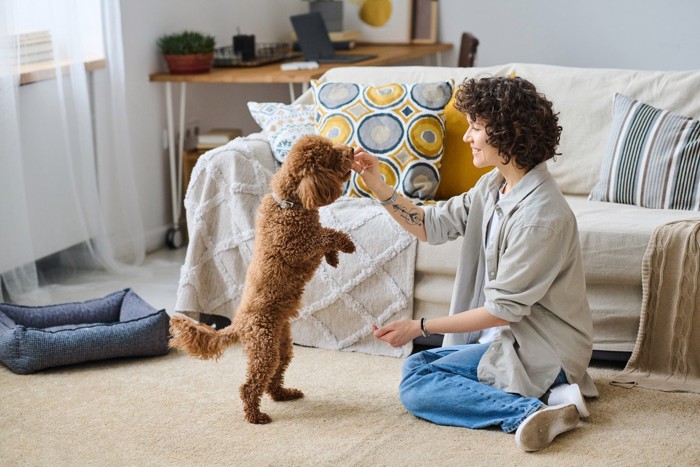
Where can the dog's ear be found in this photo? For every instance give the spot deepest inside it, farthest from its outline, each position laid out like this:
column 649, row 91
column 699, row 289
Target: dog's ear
column 317, row 189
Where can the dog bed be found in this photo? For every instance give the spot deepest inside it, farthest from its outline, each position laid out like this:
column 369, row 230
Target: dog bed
column 121, row 324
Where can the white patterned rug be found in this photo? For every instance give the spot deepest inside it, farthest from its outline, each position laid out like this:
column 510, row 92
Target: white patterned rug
column 373, row 285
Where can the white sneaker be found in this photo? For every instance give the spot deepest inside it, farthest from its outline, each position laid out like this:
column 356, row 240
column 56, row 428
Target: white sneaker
column 539, row 429
column 568, row 394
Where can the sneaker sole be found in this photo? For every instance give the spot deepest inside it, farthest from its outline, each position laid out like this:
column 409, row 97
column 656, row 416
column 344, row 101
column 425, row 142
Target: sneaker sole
column 540, row 428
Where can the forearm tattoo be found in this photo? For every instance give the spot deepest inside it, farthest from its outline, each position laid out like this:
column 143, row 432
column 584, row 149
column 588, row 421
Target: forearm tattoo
column 412, row 216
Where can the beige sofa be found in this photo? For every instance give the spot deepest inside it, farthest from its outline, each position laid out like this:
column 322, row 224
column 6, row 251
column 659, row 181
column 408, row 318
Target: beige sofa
column 228, row 183
column 614, row 237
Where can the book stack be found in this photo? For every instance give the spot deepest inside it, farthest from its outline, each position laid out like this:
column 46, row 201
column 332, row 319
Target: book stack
column 217, row 137
column 35, row 47
column 342, row 40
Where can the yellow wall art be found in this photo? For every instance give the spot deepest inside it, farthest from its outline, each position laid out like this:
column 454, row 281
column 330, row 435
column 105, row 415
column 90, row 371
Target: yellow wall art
column 380, row 21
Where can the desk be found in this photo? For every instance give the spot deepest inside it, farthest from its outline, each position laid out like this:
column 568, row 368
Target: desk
column 267, row 74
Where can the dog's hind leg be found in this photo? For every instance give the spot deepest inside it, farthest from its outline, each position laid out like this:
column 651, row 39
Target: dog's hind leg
column 276, row 387
column 263, row 360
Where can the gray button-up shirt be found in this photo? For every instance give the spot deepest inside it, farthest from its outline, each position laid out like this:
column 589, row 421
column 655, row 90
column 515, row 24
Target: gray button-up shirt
column 536, row 281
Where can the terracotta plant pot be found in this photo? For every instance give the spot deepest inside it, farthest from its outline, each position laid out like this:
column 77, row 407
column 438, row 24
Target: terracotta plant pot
column 187, row 64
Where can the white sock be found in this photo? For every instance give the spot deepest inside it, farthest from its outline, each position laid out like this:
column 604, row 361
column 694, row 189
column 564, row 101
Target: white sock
column 568, row 394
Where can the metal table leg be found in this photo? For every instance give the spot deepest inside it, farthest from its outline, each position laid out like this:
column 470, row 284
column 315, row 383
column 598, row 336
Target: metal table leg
column 174, row 238
column 292, row 97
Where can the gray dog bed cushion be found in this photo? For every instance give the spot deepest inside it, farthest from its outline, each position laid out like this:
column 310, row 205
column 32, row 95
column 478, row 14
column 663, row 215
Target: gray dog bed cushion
column 121, row 324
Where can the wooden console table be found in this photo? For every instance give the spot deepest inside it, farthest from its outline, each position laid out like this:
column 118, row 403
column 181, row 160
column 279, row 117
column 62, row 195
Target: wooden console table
column 267, row 74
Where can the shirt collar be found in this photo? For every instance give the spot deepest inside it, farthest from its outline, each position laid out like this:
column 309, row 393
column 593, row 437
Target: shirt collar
column 534, row 178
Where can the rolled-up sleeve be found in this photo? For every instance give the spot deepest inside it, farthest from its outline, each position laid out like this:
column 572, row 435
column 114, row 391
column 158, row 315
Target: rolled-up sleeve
column 447, row 220
column 530, row 262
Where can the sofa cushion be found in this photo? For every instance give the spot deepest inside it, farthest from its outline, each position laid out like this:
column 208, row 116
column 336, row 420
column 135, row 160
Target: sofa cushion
column 614, row 237
column 652, row 158
column 403, row 124
column 283, row 124
column 439, row 259
column 118, row 325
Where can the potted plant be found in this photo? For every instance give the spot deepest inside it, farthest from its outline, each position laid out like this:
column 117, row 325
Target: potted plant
column 187, row 52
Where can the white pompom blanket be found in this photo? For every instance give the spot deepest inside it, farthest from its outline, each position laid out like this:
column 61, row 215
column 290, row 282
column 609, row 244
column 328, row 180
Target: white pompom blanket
column 373, row 285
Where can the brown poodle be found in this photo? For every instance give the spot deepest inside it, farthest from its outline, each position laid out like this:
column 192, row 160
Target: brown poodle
column 289, row 245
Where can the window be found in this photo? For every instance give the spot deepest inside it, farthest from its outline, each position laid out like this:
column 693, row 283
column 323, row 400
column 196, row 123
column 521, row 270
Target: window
column 56, row 33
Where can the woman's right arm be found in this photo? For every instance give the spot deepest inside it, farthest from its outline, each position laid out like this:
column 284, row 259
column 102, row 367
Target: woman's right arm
column 408, row 215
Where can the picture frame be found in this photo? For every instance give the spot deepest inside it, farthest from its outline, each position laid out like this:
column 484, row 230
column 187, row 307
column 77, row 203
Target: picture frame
column 425, row 22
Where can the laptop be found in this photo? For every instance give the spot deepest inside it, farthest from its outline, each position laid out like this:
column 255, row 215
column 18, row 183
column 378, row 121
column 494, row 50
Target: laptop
column 315, row 43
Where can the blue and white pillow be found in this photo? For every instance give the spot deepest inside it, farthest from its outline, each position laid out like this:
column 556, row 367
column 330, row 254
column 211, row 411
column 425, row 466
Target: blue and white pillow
column 652, row 158
column 284, row 124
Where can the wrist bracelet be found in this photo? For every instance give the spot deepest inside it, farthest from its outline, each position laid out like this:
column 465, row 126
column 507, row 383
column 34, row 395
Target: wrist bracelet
column 423, row 331
column 391, row 199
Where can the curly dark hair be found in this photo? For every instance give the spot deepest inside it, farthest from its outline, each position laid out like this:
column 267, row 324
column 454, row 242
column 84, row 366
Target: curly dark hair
column 518, row 120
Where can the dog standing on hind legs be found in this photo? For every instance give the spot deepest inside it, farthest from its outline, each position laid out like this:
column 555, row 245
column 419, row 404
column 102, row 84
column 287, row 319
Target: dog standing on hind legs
column 290, row 244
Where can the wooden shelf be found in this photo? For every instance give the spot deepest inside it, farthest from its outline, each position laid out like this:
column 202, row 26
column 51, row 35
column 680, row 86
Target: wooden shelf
column 387, row 54
column 43, row 71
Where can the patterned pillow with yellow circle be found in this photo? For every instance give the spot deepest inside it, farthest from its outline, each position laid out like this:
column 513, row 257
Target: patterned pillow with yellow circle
column 402, row 124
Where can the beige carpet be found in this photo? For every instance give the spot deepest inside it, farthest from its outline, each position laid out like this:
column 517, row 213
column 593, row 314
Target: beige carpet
column 174, row 410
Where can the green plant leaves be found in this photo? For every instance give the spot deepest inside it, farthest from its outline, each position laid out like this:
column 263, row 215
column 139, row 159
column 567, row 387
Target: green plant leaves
column 186, row 42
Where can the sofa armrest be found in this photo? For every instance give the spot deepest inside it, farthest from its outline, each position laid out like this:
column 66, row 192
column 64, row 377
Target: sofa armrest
column 253, row 146
column 217, row 164
column 226, row 188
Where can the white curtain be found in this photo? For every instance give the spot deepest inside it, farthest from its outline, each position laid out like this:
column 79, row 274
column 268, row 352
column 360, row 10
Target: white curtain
column 68, row 200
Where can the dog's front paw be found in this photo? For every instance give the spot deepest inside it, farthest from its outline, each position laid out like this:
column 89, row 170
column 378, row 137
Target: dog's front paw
column 345, row 243
column 332, row 258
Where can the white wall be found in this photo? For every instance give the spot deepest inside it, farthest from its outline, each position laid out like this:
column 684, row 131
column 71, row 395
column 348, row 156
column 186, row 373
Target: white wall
column 639, row 34
column 635, row 34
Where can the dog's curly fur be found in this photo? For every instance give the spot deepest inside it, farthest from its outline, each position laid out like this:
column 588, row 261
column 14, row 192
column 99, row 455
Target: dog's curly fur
column 289, row 245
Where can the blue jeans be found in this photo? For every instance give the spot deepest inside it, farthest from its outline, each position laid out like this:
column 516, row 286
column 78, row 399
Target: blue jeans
column 441, row 386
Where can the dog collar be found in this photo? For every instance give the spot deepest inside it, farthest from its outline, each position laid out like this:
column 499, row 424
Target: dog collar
column 283, row 203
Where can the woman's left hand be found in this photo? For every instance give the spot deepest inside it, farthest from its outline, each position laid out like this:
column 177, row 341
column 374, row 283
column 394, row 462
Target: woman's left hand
column 398, row 333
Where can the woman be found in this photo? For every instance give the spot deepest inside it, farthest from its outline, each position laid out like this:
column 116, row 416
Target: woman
column 520, row 277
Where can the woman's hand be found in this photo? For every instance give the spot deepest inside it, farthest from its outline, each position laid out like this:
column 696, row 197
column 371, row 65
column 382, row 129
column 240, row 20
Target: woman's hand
column 398, row 333
column 365, row 163
column 367, row 166
column 408, row 215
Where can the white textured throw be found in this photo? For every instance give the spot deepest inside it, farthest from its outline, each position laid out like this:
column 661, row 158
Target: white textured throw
column 372, row 285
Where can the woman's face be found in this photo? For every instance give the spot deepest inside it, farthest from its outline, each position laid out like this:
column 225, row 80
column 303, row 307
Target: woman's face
column 483, row 153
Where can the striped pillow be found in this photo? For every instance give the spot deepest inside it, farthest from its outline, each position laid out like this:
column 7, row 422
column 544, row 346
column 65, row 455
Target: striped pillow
column 652, row 158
